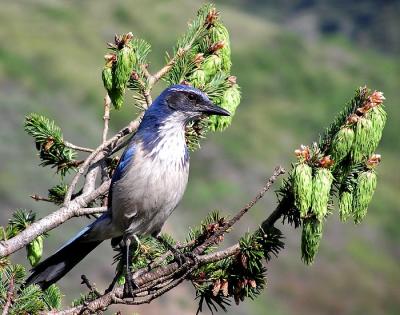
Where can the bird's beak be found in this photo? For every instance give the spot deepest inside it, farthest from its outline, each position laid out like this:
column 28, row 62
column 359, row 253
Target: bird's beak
column 211, row 109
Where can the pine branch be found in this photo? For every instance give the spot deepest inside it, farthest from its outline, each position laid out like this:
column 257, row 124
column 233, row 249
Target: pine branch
column 10, row 295
column 50, row 222
column 149, row 280
column 277, row 172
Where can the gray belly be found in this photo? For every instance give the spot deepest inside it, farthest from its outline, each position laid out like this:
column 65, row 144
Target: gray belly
column 144, row 198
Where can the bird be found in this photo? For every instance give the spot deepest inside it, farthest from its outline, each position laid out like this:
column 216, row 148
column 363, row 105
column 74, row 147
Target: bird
column 147, row 184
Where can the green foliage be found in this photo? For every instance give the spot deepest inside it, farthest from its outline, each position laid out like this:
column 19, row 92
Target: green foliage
column 342, row 143
column 203, row 60
column 25, row 300
column 57, row 193
column 19, row 221
column 207, row 226
column 321, row 188
column 52, row 297
column 351, row 139
column 50, row 144
column 310, row 239
column 363, row 193
column 34, row 250
column 138, row 82
column 84, row 298
column 302, row 187
column 238, row 277
column 345, row 205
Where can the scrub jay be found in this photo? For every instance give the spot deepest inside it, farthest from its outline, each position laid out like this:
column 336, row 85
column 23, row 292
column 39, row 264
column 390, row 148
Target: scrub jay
column 147, row 184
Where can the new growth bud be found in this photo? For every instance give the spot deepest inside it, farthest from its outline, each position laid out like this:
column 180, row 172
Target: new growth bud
column 302, row 187
column 124, row 65
column 362, row 145
column 345, row 205
column 363, row 193
column 107, row 78
column 198, row 78
column 221, row 44
column 377, row 116
column 230, row 101
column 342, row 143
column 322, row 182
column 34, row 250
column 310, row 239
column 211, row 65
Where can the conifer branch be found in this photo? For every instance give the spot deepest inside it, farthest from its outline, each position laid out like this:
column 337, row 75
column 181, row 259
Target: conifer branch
column 9, row 296
column 76, row 147
column 160, row 279
column 50, row 222
column 225, row 227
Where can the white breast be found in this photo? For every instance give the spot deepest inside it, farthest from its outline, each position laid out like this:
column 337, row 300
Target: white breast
column 153, row 186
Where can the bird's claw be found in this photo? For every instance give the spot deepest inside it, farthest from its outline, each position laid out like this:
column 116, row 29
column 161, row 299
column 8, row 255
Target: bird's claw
column 129, row 287
column 180, row 257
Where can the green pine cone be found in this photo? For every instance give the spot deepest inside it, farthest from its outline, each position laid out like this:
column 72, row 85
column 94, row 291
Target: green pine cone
column 322, row 182
column 341, row 144
column 211, row 65
column 363, row 144
column 230, row 101
column 220, row 33
column 107, row 77
column 198, row 78
column 125, row 61
column 34, row 250
column 117, row 97
column 377, row 115
column 310, row 239
column 363, row 193
column 345, row 205
column 302, row 187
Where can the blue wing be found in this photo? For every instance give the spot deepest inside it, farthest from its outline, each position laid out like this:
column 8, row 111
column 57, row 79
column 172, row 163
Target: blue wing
column 124, row 162
column 122, row 167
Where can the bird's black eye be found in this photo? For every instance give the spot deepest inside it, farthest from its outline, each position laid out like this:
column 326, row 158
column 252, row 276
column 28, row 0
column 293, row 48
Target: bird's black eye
column 191, row 97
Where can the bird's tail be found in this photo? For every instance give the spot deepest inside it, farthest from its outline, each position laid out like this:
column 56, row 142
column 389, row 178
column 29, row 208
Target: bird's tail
column 56, row 266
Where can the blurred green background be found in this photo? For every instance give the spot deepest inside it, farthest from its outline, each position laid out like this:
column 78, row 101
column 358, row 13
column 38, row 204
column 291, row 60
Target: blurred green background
column 297, row 62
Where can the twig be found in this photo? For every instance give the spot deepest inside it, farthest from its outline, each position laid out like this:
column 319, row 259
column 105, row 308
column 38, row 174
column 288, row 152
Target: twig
column 179, row 54
column 10, row 294
column 98, row 154
column 106, row 117
column 146, row 71
column 163, row 71
column 87, row 211
column 75, row 147
column 40, row 198
column 277, row 172
column 91, row 286
column 50, row 222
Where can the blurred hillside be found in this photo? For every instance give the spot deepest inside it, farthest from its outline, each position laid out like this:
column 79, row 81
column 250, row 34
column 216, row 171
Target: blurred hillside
column 293, row 84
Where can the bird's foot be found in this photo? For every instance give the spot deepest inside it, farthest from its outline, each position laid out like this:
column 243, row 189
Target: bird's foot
column 130, row 284
column 129, row 287
column 180, row 257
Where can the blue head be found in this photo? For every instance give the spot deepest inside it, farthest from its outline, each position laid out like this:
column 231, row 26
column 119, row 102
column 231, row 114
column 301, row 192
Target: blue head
column 181, row 104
